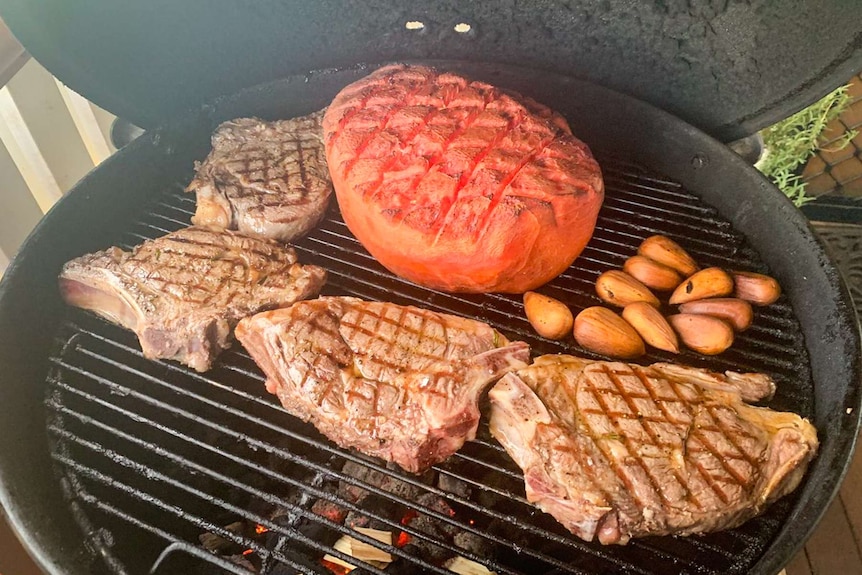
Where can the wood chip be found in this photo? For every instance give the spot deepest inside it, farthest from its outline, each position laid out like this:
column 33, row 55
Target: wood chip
column 464, row 566
column 361, row 550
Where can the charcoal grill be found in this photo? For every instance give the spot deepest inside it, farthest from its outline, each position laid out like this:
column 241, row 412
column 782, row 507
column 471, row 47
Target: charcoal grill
column 142, row 458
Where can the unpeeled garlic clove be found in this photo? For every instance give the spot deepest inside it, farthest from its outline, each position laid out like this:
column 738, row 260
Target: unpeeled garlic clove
column 702, row 333
column 550, row 318
column 600, row 330
column 736, row 312
column 651, row 326
column 711, row 282
column 665, row 251
column 620, row 289
column 651, row 273
column 759, row 289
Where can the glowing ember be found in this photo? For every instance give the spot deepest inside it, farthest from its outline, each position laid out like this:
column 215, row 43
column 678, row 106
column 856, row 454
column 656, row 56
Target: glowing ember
column 408, row 517
column 248, row 552
column 260, row 529
column 403, row 539
column 337, row 569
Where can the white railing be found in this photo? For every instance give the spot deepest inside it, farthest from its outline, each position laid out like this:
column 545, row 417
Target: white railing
column 50, row 136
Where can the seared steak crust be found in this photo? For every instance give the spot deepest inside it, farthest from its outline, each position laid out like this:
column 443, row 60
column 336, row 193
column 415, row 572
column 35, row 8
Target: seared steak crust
column 266, row 179
column 616, row 451
column 399, row 383
column 183, row 293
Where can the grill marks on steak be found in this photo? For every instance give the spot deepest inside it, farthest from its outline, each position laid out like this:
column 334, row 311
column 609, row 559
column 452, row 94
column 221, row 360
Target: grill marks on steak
column 267, row 179
column 457, row 167
column 183, row 293
column 616, row 451
column 399, row 383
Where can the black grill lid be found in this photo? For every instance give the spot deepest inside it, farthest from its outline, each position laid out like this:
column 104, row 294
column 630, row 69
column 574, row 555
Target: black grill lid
column 728, row 67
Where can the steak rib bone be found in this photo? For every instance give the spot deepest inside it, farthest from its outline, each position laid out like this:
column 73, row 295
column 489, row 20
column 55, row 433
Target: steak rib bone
column 396, row 382
column 615, row 451
column 183, row 293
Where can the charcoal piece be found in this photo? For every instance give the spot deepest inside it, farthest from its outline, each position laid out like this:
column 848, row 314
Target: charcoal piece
column 330, row 510
column 262, row 508
column 433, row 530
column 354, row 520
column 351, row 493
column 475, row 544
column 404, row 567
column 453, row 485
column 310, row 565
column 310, row 528
column 384, row 481
column 217, row 544
column 426, row 550
column 438, row 504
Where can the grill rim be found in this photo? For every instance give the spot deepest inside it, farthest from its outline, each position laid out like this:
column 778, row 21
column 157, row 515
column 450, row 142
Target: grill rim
column 662, row 142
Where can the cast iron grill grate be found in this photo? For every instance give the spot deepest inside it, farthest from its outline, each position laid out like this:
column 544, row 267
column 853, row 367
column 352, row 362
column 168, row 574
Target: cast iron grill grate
column 152, row 455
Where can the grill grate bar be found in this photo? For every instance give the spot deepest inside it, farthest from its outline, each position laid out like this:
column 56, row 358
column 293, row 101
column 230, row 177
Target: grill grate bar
column 178, row 223
column 748, row 359
column 623, row 168
column 494, row 467
column 107, row 508
column 703, row 248
column 153, row 474
column 202, row 524
column 620, row 207
column 754, row 362
column 637, row 232
column 174, row 208
column 230, row 402
column 623, row 188
column 459, row 455
column 325, row 250
column 330, row 472
column 263, row 445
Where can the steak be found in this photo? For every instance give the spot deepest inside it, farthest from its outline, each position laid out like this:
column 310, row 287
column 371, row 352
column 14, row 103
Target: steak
column 458, row 185
column 265, row 179
column 183, row 293
column 615, row 451
column 399, row 383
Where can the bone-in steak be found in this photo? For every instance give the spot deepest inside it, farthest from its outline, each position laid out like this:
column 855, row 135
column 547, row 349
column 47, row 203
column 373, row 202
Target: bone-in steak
column 616, row 451
column 183, row 293
column 399, row 383
column 266, row 179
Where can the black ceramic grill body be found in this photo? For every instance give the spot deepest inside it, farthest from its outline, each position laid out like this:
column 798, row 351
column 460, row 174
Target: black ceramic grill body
column 727, row 67
column 666, row 159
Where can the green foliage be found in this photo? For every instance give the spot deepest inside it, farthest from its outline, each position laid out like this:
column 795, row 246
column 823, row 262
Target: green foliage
column 790, row 143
